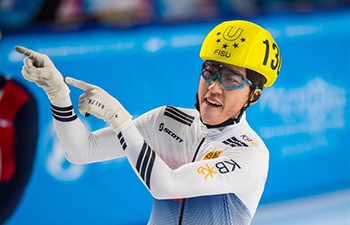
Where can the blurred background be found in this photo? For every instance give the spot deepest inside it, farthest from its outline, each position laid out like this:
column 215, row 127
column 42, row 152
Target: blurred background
column 146, row 53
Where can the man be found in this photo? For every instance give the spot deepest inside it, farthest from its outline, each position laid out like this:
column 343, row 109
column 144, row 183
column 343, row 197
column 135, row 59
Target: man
column 204, row 166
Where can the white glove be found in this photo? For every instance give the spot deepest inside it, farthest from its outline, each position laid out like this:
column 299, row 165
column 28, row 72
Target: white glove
column 39, row 69
column 100, row 104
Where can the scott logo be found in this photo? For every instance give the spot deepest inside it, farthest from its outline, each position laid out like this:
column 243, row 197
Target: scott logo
column 172, row 134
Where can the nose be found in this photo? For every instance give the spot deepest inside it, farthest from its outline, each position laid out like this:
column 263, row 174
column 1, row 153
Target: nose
column 215, row 86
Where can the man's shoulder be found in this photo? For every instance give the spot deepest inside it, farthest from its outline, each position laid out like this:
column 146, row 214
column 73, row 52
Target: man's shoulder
column 180, row 115
column 169, row 114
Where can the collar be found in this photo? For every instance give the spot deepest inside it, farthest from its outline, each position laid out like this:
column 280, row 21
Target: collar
column 224, row 124
column 223, row 129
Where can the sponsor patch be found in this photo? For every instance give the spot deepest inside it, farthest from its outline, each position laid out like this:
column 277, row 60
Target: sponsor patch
column 227, row 166
column 248, row 139
column 212, row 155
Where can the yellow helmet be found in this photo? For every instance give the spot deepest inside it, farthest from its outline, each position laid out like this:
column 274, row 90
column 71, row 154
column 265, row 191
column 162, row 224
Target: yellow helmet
column 243, row 44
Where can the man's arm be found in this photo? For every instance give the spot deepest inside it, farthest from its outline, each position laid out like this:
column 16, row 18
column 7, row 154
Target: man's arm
column 234, row 171
column 231, row 172
column 80, row 145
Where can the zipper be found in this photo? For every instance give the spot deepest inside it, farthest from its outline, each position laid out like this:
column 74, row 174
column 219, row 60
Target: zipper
column 184, row 200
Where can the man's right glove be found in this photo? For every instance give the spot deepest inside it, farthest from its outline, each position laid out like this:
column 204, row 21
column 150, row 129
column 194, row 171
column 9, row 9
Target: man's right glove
column 38, row 68
column 99, row 103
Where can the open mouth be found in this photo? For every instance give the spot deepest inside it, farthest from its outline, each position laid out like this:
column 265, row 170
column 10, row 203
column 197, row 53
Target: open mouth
column 213, row 103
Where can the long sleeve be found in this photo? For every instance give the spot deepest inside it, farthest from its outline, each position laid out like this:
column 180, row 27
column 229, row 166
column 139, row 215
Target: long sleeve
column 80, row 145
column 232, row 171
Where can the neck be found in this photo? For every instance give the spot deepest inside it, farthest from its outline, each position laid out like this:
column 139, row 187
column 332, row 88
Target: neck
column 226, row 123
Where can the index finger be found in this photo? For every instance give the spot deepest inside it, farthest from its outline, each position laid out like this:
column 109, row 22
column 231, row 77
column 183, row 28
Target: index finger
column 38, row 61
column 25, row 51
column 77, row 83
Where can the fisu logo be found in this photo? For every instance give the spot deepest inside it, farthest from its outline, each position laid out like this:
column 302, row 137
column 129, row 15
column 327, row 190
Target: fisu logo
column 232, row 35
column 227, row 41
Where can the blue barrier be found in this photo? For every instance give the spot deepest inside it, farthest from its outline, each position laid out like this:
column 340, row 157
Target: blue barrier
column 303, row 118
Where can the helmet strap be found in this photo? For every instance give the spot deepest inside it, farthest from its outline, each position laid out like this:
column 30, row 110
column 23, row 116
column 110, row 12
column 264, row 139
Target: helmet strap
column 244, row 108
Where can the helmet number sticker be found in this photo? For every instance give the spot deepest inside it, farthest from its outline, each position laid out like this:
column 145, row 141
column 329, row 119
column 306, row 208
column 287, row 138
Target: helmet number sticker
column 277, row 55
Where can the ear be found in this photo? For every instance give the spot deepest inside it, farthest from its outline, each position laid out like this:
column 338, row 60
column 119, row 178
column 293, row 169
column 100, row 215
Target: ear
column 255, row 97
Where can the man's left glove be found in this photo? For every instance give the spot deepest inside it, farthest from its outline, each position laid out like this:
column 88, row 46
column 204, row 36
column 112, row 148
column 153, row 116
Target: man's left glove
column 99, row 103
column 38, row 68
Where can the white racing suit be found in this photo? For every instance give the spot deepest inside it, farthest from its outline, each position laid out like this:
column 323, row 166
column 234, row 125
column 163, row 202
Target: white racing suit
column 197, row 175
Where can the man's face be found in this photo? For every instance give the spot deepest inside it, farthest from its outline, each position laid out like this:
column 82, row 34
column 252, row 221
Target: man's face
column 218, row 104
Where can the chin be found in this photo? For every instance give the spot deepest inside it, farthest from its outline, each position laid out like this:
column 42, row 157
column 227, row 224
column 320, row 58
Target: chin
column 210, row 120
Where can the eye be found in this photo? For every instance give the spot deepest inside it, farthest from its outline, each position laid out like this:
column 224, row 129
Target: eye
column 230, row 79
column 207, row 74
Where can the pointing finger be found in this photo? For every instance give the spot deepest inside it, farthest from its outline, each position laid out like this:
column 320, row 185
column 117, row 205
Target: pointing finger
column 25, row 51
column 78, row 83
column 38, row 61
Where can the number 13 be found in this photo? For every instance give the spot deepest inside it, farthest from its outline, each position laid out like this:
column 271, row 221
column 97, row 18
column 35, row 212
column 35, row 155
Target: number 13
column 277, row 55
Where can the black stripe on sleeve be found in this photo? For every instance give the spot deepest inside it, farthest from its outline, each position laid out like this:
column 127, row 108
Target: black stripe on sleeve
column 62, row 108
column 122, row 141
column 226, row 143
column 149, row 169
column 63, row 114
column 68, row 119
column 178, row 115
column 170, row 111
column 177, row 119
column 69, row 113
column 180, row 112
column 234, row 142
column 139, row 159
column 240, row 143
column 145, row 163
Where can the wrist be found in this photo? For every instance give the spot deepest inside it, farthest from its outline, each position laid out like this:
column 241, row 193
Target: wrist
column 59, row 95
column 62, row 102
column 119, row 119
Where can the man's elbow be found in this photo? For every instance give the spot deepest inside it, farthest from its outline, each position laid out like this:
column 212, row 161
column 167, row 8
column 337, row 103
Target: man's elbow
column 75, row 160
